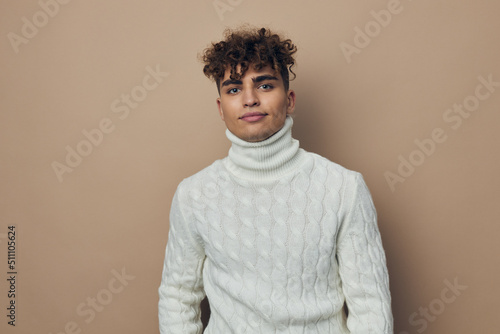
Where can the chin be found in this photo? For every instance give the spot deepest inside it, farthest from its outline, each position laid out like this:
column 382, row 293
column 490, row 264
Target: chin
column 258, row 137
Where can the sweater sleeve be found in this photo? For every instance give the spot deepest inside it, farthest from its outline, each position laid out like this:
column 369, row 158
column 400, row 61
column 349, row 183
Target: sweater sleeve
column 181, row 289
column 362, row 263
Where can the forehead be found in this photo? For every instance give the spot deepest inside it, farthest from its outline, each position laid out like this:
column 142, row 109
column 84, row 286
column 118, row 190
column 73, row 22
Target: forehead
column 251, row 72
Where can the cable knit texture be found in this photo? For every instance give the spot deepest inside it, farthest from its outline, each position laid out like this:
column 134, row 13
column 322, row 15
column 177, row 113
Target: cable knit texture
column 278, row 239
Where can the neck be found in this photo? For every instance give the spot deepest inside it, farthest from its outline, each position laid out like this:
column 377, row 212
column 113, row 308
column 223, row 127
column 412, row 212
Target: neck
column 267, row 159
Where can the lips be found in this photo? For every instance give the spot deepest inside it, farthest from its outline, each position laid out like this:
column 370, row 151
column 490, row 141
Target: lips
column 253, row 116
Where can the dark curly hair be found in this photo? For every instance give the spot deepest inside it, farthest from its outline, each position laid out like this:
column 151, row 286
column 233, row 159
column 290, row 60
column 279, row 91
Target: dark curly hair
column 245, row 46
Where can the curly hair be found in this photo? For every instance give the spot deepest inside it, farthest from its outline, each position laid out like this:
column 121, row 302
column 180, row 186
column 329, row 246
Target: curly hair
column 245, row 46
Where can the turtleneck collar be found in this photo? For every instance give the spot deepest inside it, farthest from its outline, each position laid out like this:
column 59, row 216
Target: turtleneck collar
column 266, row 159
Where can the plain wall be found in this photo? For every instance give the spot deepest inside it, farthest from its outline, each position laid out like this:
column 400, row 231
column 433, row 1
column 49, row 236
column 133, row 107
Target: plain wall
column 362, row 101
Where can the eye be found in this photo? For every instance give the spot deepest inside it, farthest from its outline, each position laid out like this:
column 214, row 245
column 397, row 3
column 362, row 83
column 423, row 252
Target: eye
column 233, row 91
column 266, row 86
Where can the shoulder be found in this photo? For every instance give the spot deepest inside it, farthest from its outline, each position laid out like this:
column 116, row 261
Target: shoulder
column 204, row 178
column 347, row 176
column 346, row 183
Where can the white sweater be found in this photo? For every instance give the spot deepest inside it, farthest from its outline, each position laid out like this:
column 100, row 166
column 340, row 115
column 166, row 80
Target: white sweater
column 278, row 238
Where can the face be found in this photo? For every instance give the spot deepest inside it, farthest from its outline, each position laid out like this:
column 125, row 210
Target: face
column 254, row 107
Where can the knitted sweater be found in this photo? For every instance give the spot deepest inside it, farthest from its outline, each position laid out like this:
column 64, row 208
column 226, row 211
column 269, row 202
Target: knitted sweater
column 278, row 239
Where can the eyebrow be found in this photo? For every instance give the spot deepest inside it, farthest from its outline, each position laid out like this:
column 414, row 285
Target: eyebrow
column 260, row 78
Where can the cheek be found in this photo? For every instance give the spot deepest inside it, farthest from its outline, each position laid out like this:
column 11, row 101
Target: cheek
column 224, row 109
column 228, row 106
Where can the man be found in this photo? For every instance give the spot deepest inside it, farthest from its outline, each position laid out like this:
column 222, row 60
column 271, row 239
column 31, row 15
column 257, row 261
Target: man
column 277, row 238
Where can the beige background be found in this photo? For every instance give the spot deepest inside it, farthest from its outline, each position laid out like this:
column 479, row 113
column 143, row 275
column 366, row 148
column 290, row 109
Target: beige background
column 111, row 212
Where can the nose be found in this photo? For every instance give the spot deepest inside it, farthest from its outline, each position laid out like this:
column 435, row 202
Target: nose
column 250, row 98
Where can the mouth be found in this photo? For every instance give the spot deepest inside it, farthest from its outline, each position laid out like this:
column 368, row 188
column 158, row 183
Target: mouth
column 253, row 116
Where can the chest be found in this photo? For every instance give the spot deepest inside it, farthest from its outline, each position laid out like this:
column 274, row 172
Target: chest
column 290, row 224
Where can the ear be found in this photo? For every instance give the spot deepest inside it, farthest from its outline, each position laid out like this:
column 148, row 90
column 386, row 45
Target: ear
column 221, row 113
column 290, row 107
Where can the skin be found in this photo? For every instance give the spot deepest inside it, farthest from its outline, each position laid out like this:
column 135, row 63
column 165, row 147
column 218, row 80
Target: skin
column 255, row 107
